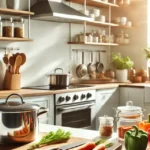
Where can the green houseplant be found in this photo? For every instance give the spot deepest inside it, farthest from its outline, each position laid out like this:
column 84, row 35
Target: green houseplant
column 122, row 64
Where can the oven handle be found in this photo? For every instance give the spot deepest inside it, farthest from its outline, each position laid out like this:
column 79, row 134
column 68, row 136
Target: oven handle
column 76, row 107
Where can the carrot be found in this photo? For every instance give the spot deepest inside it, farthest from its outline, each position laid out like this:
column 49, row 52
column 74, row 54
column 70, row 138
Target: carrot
column 87, row 146
column 100, row 147
column 103, row 146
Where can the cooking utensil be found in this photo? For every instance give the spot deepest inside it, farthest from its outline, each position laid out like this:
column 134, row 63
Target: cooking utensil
column 99, row 66
column 59, row 80
column 19, row 121
column 69, row 146
column 77, row 69
column 91, row 66
column 82, row 69
column 11, row 62
column 17, row 64
column 6, row 61
column 22, row 62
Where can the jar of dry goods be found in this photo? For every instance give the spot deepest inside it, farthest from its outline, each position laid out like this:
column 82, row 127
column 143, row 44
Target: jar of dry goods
column 106, row 126
column 8, row 27
column 1, row 27
column 19, row 27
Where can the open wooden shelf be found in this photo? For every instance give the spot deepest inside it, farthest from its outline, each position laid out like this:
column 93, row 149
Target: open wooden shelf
column 98, row 23
column 96, row 44
column 94, row 3
column 15, row 39
column 121, row 26
column 6, row 11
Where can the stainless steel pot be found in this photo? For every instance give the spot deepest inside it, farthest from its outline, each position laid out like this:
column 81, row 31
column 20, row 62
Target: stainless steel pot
column 59, row 80
column 19, row 121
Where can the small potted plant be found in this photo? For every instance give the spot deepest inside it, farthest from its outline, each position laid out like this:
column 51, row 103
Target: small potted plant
column 122, row 64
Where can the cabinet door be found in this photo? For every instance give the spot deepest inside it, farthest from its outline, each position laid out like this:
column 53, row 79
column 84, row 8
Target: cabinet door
column 136, row 95
column 106, row 100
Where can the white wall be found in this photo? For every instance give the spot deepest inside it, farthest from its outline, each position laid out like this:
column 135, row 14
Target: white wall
column 50, row 49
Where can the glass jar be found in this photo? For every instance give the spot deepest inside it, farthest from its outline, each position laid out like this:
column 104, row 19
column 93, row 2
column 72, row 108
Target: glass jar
column 128, row 116
column 8, row 27
column 1, row 27
column 19, row 28
column 106, row 126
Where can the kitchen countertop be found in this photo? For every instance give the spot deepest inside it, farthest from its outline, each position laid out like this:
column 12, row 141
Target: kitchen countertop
column 35, row 92
column 81, row 133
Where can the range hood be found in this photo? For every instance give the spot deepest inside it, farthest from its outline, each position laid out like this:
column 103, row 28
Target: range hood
column 56, row 10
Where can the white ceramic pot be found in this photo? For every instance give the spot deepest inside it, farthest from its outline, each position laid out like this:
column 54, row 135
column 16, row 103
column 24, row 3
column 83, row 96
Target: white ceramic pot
column 122, row 75
column 13, row 4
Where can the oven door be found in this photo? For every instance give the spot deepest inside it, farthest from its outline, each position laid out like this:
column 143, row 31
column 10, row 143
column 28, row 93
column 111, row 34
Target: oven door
column 81, row 115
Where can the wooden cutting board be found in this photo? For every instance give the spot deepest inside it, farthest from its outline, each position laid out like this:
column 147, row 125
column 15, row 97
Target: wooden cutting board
column 26, row 146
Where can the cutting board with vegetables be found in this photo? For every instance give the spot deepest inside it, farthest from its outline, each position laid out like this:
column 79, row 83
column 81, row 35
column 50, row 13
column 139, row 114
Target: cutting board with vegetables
column 26, row 146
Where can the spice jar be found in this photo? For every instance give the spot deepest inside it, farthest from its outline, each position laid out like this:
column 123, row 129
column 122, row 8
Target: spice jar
column 128, row 116
column 19, row 28
column 1, row 27
column 8, row 27
column 106, row 126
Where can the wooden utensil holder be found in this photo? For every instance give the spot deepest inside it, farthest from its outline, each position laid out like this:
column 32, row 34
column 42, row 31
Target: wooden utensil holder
column 11, row 81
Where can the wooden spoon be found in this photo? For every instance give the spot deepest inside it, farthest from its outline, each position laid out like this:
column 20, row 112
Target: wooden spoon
column 22, row 63
column 11, row 62
column 6, row 60
column 17, row 64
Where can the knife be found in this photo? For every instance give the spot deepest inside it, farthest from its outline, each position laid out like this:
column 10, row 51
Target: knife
column 69, row 146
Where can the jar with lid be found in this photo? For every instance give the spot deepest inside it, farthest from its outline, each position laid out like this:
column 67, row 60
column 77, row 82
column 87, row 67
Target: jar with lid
column 8, row 27
column 1, row 27
column 106, row 126
column 19, row 28
column 128, row 116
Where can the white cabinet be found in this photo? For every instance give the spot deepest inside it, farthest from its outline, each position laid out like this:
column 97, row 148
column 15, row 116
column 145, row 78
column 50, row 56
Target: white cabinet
column 106, row 100
column 136, row 95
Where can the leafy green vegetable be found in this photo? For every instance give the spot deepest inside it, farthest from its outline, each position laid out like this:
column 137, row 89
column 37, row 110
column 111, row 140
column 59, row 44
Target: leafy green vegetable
column 51, row 138
column 147, row 52
column 122, row 62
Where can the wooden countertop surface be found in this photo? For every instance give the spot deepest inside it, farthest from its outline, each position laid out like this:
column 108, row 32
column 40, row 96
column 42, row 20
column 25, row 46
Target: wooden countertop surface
column 34, row 92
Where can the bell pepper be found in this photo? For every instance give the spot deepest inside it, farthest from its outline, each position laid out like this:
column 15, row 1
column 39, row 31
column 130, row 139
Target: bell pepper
column 136, row 139
column 144, row 125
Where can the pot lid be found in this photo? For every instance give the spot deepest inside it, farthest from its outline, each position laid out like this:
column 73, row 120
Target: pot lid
column 59, row 74
column 11, row 106
column 129, row 107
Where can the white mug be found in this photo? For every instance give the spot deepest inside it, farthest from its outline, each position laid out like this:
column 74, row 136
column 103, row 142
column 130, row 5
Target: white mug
column 102, row 18
column 96, row 12
column 123, row 20
column 129, row 23
column 92, row 16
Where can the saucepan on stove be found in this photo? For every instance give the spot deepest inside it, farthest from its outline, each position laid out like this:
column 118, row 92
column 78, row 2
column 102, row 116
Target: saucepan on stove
column 19, row 121
column 59, row 79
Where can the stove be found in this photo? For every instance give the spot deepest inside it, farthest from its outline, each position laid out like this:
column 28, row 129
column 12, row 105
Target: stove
column 73, row 108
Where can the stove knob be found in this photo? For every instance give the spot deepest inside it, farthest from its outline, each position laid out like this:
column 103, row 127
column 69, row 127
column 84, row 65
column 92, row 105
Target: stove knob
column 82, row 96
column 89, row 95
column 61, row 99
column 75, row 97
column 68, row 98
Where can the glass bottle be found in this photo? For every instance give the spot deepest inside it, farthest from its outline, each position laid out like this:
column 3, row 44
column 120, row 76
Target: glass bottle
column 1, row 27
column 8, row 27
column 103, row 36
column 19, row 28
column 106, row 126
